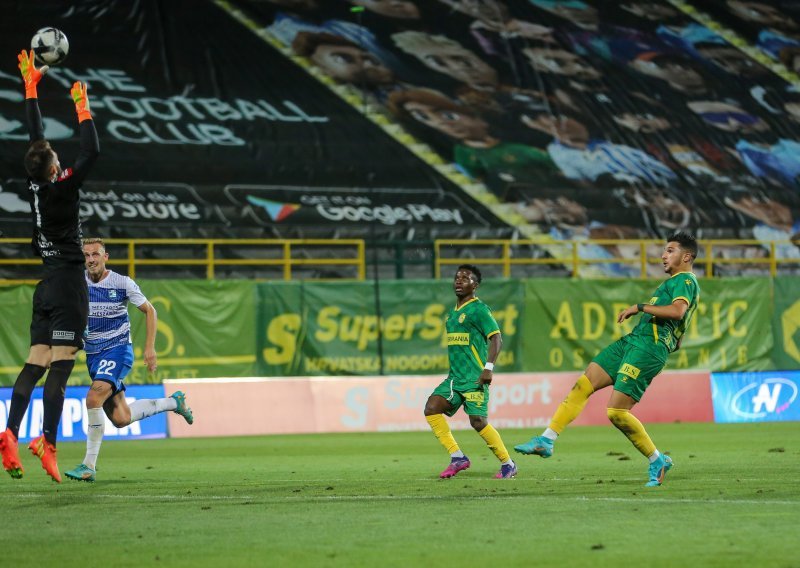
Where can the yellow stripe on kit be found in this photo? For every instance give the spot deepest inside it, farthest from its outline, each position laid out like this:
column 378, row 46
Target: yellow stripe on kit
column 477, row 357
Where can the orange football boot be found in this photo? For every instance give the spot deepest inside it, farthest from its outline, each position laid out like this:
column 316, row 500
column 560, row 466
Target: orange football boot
column 46, row 452
column 8, row 449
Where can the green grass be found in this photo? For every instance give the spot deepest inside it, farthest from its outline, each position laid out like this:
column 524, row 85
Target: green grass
column 733, row 499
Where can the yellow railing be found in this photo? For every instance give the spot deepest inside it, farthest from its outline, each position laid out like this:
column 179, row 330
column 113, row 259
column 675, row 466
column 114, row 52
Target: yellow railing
column 207, row 254
column 576, row 256
column 583, row 259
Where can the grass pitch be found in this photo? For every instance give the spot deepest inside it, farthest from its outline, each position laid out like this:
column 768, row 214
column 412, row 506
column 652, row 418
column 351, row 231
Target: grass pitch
column 732, row 499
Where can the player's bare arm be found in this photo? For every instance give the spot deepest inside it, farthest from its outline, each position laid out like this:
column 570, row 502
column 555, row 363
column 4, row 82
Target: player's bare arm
column 151, row 326
column 495, row 345
column 674, row 311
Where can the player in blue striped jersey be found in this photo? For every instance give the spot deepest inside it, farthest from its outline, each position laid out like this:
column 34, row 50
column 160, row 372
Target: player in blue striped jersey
column 109, row 355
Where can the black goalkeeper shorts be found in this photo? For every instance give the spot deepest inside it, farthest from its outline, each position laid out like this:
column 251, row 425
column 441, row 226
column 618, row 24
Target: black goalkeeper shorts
column 61, row 308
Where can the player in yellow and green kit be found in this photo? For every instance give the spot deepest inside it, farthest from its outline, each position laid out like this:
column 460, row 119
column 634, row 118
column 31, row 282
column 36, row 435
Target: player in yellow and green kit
column 473, row 344
column 631, row 363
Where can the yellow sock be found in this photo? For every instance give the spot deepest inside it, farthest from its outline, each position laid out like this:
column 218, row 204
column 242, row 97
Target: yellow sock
column 441, row 430
column 572, row 406
column 495, row 443
column 634, row 430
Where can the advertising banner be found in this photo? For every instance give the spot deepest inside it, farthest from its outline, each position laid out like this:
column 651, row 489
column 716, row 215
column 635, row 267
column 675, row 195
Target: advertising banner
column 786, row 323
column 756, row 397
column 568, row 324
column 15, row 337
column 205, row 329
column 74, row 420
column 242, row 328
column 386, row 207
column 142, row 205
column 234, row 407
column 358, row 328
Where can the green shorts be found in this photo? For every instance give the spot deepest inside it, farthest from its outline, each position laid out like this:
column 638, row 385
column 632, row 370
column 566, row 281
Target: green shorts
column 475, row 401
column 631, row 367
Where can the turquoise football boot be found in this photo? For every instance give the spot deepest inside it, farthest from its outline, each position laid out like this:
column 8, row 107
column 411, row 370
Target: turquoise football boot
column 538, row 446
column 658, row 470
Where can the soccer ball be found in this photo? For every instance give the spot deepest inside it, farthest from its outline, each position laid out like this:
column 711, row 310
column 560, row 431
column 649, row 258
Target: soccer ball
column 50, row 46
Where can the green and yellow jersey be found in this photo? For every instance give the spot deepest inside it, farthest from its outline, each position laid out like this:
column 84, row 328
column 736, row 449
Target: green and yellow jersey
column 469, row 328
column 652, row 331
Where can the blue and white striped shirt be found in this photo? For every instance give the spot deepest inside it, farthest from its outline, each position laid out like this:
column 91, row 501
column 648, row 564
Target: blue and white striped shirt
column 109, row 324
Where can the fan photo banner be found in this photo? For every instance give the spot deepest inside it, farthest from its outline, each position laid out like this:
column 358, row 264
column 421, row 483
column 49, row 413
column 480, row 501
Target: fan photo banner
column 185, row 117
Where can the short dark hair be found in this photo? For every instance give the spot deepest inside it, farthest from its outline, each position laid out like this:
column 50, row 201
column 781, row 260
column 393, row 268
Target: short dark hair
column 38, row 160
column 472, row 268
column 687, row 242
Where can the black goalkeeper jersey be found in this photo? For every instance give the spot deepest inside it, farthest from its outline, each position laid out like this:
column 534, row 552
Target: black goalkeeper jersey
column 55, row 205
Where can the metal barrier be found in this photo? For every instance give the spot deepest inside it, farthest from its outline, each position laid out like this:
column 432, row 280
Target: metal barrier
column 580, row 259
column 208, row 254
column 576, row 255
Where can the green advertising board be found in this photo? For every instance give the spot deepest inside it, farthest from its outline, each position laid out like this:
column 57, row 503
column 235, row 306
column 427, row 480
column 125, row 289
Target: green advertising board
column 205, row 329
column 15, row 338
column 360, row 328
column 786, row 324
column 243, row 328
column 568, row 324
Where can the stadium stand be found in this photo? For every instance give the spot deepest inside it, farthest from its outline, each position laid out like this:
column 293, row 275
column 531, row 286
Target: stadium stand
column 551, row 120
column 593, row 119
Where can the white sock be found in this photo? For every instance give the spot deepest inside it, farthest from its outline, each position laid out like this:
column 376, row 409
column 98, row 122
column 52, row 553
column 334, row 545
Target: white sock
column 654, row 456
column 94, row 437
column 550, row 434
column 458, row 454
column 141, row 409
column 509, row 461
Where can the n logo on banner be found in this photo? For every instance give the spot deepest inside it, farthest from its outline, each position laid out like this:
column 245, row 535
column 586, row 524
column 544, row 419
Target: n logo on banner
column 767, row 399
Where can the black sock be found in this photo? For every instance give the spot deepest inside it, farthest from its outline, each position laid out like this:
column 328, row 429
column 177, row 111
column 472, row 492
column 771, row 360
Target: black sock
column 21, row 395
column 54, row 388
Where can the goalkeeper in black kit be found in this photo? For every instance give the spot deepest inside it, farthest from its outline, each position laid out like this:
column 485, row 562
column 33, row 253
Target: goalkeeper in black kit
column 61, row 299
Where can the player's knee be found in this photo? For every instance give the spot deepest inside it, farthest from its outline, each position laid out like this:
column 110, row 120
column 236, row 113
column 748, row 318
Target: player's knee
column 94, row 399
column 40, row 355
column 478, row 422
column 64, row 353
column 432, row 407
column 120, row 419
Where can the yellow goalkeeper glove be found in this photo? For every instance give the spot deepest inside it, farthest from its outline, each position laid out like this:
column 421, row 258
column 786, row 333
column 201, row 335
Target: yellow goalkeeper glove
column 30, row 74
column 81, row 99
